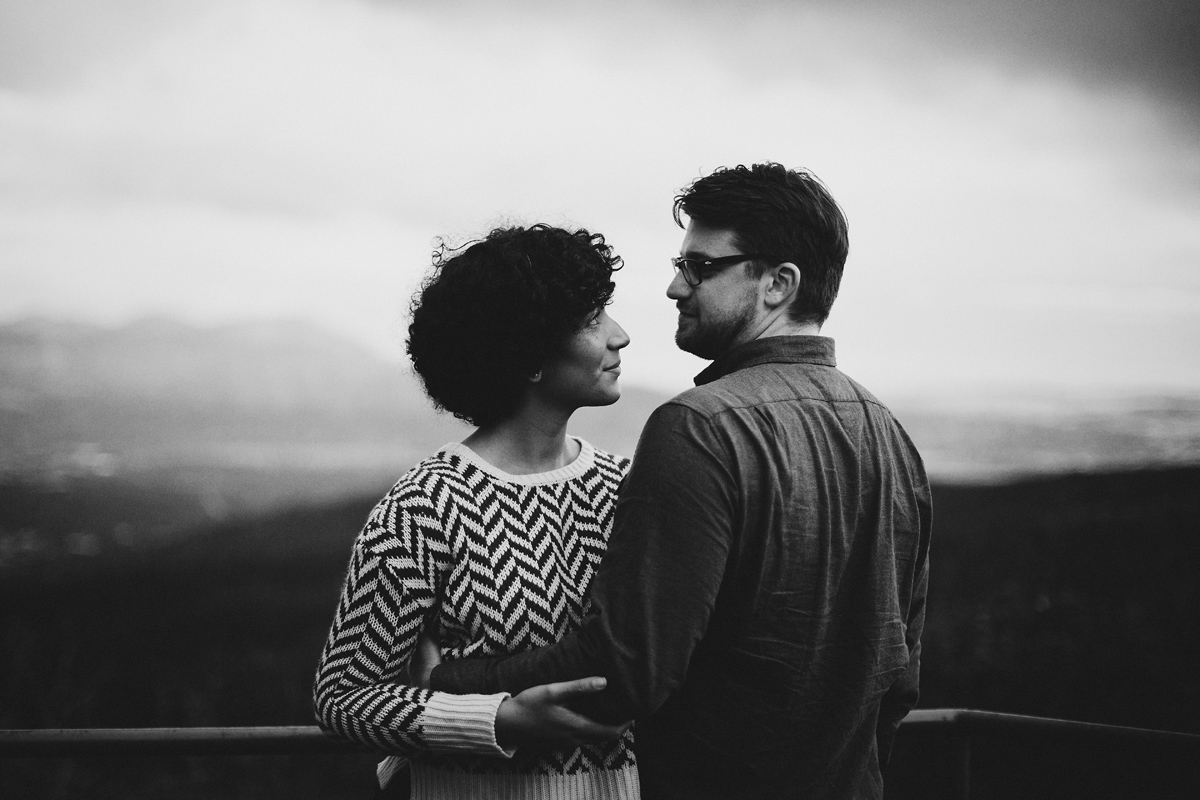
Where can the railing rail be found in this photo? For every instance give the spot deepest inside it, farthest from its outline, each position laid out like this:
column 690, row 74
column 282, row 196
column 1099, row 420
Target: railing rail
column 993, row 722
column 244, row 741
column 268, row 740
column 960, row 729
column 965, row 731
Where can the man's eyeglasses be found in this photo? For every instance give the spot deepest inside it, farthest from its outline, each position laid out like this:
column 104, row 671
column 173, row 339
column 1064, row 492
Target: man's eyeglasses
column 693, row 269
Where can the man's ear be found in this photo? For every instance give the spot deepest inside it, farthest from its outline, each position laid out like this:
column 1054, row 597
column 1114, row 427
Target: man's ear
column 783, row 281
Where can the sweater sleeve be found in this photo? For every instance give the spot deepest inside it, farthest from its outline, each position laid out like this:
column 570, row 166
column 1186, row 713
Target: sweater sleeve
column 656, row 586
column 391, row 587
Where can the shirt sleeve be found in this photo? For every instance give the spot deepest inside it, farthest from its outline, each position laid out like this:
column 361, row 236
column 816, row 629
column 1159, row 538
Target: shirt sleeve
column 656, row 587
column 902, row 696
column 391, row 585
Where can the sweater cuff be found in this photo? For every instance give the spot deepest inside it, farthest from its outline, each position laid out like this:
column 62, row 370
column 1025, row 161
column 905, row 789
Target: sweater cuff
column 464, row 723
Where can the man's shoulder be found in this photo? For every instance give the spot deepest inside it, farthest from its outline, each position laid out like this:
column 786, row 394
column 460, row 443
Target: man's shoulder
column 862, row 393
column 705, row 401
column 773, row 383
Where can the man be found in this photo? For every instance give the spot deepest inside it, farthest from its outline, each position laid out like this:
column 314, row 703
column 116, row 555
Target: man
column 760, row 606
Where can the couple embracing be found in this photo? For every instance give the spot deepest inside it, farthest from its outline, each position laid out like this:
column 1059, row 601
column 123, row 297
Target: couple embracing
column 736, row 612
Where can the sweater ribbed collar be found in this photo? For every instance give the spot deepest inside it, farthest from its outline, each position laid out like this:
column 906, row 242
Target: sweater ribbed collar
column 582, row 463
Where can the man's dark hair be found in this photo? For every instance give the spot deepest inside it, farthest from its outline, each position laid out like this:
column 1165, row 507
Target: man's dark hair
column 491, row 312
column 786, row 214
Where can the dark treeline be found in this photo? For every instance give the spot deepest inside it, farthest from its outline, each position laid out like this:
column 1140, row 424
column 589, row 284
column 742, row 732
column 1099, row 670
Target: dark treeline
column 1071, row 597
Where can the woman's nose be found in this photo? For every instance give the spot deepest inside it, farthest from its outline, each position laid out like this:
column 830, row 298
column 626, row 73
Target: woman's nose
column 619, row 338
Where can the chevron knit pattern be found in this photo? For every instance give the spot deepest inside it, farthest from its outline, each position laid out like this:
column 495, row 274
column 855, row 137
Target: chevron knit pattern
column 502, row 564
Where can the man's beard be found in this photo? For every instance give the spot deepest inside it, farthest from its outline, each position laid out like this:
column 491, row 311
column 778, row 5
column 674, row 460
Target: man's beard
column 716, row 336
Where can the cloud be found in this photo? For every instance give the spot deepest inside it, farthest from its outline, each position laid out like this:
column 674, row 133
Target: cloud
column 1149, row 47
column 297, row 159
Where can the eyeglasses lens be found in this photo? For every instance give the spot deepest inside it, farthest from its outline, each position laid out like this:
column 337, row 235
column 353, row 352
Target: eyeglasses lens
column 689, row 268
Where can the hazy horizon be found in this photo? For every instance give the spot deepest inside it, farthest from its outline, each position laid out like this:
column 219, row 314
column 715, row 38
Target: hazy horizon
column 310, row 413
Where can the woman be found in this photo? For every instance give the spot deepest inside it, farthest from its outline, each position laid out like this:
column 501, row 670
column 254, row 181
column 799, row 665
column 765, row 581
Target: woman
column 489, row 544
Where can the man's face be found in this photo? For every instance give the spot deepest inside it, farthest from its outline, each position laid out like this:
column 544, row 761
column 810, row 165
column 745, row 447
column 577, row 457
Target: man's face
column 720, row 312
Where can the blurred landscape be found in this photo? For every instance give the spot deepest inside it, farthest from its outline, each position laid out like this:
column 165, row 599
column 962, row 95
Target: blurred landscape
column 177, row 504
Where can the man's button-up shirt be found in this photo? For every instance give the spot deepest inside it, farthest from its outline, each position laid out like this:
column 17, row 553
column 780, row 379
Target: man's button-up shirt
column 760, row 606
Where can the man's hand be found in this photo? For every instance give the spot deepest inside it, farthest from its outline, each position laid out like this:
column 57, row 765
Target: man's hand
column 543, row 713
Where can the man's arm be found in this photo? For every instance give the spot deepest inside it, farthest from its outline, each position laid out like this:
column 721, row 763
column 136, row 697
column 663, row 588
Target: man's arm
column 538, row 714
column 655, row 589
column 902, row 696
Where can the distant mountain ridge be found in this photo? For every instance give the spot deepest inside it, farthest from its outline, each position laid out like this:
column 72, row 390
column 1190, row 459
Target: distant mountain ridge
column 159, row 390
column 294, row 411
column 255, row 365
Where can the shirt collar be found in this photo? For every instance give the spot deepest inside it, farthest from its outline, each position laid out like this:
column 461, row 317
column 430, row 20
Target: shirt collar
column 771, row 350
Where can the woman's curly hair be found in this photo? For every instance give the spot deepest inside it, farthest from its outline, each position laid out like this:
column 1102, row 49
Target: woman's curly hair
column 490, row 313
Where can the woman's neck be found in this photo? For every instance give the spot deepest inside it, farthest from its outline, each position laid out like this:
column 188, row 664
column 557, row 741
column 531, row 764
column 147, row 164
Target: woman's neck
column 525, row 444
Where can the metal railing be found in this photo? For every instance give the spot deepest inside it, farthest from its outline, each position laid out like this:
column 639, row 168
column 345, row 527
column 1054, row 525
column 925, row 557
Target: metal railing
column 250, row 741
column 958, row 733
column 963, row 731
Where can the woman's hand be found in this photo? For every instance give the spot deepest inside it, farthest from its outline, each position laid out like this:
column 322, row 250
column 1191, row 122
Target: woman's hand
column 543, row 713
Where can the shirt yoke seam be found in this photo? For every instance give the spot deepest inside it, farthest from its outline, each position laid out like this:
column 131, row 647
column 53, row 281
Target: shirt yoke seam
column 760, row 403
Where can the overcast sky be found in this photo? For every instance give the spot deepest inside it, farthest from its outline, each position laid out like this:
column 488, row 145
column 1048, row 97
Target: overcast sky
column 1022, row 178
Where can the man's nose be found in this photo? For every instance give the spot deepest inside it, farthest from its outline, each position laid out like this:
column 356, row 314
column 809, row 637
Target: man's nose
column 678, row 288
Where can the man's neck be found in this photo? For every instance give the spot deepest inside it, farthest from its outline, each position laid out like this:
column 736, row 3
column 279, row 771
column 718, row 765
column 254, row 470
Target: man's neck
column 780, row 325
column 792, row 329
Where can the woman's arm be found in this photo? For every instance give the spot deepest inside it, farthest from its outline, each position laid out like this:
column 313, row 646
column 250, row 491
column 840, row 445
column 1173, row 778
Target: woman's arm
column 367, row 688
column 362, row 691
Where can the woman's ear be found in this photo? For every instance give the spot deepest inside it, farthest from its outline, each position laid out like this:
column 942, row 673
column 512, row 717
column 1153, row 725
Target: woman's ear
column 783, row 283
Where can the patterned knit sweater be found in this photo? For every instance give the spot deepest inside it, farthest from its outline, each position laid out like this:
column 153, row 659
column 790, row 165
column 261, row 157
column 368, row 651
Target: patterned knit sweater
column 500, row 563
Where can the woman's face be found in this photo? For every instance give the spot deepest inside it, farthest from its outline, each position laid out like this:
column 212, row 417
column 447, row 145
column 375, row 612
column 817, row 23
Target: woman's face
column 585, row 373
